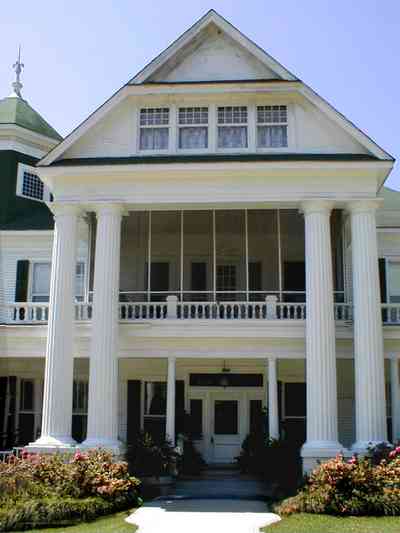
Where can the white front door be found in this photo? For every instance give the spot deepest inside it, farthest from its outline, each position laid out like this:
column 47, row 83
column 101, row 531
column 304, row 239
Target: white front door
column 227, row 426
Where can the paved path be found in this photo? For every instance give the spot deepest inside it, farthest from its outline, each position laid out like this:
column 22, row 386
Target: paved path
column 217, row 502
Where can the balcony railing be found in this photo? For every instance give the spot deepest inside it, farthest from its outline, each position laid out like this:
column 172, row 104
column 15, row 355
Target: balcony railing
column 172, row 309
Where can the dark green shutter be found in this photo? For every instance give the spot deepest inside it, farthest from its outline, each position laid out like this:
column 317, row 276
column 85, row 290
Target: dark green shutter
column 12, row 437
column 382, row 278
column 3, row 392
column 133, row 411
column 179, row 407
column 21, row 285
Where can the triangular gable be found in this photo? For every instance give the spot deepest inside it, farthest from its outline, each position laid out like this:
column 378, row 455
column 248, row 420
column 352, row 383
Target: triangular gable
column 169, row 60
column 251, row 62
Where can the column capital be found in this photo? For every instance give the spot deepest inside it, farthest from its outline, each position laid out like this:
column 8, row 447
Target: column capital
column 108, row 208
column 364, row 206
column 64, row 208
column 316, row 205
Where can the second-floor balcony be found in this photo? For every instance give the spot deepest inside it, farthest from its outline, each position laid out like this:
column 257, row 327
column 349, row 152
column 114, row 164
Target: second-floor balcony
column 172, row 309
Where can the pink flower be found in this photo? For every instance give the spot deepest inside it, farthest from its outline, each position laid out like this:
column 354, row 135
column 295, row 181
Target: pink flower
column 353, row 460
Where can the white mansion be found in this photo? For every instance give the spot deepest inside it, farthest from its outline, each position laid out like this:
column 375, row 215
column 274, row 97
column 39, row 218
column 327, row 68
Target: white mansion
column 223, row 247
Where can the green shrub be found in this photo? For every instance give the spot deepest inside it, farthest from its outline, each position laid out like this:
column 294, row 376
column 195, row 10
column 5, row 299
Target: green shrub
column 149, row 458
column 38, row 489
column 360, row 486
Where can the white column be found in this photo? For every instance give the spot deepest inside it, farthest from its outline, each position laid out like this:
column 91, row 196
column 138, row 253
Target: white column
column 273, row 415
column 322, row 432
column 395, row 397
column 170, row 423
column 57, row 393
column 368, row 337
column 103, row 376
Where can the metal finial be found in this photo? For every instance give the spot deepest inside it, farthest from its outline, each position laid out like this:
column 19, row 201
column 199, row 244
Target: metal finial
column 18, row 66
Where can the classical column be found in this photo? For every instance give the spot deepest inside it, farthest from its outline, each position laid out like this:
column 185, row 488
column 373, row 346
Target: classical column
column 170, row 424
column 322, row 427
column 368, row 337
column 395, row 397
column 273, row 416
column 58, row 379
column 102, row 429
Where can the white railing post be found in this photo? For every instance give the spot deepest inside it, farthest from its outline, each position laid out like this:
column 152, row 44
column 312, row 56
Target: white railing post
column 172, row 306
column 271, row 301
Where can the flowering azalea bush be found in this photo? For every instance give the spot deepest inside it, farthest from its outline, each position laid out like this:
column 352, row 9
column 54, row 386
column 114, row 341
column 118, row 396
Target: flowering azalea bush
column 358, row 486
column 39, row 489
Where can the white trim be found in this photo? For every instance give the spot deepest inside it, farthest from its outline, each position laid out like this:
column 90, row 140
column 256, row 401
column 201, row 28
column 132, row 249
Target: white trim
column 209, row 18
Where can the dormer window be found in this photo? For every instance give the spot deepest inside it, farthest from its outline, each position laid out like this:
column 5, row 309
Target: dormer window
column 29, row 185
column 193, row 128
column 232, row 127
column 272, row 124
column 154, row 128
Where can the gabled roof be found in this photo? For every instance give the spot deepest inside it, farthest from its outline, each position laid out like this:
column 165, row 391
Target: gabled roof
column 192, row 37
column 185, row 44
column 16, row 111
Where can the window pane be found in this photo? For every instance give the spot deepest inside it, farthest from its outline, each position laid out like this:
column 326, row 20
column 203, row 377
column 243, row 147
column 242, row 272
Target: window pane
column 263, row 252
column 293, row 255
column 134, row 256
column 155, row 398
column 198, row 255
column 226, row 417
column 272, row 114
column 154, row 116
column 232, row 137
column 231, row 254
column 194, row 138
column 272, row 136
column 394, row 282
column 154, row 139
column 232, row 115
column 26, row 402
column 80, row 281
column 41, row 282
column 32, row 186
column 193, row 115
column 166, row 248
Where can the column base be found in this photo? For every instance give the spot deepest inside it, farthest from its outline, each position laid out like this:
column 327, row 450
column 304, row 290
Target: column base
column 113, row 445
column 48, row 444
column 361, row 446
column 315, row 452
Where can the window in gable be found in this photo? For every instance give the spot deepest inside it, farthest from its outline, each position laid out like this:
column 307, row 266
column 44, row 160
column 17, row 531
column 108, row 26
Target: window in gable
column 272, row 125
column 29, row 185
column 154, row 128
column 193, row 128
column 232, row 127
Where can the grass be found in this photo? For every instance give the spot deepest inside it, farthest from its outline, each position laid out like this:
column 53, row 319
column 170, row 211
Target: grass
column 109, row 524
column 313, row 523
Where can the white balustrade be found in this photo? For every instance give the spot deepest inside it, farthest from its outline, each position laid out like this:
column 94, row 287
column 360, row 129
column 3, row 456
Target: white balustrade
column 38, row 312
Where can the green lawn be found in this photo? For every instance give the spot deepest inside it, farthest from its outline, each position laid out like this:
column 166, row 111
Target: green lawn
column 109, row 524
column 311, row 523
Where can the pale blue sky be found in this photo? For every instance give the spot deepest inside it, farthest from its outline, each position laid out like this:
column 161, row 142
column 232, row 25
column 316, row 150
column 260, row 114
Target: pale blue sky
column 77, row 53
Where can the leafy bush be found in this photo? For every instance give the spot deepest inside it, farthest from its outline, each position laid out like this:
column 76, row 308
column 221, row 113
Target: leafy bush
column 149, row 458
column 276, row 461
column 359, row 486
column 191, row 461
column 44, row 489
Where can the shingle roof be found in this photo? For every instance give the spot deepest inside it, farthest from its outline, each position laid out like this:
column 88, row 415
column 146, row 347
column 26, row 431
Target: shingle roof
column 17, row 111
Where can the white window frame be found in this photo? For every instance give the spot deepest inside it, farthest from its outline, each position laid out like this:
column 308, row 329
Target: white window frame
column 388, row 261
column 194, row 125
column 153, row 126
column 22, row 168
column 247, row 125
column 260, row 124
column 30, row 280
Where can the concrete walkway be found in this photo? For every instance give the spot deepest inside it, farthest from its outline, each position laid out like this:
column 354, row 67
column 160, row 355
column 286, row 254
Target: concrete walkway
column 216, row 502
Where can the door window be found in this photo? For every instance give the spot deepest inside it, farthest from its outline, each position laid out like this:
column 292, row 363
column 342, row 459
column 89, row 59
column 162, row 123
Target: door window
column 226, row 417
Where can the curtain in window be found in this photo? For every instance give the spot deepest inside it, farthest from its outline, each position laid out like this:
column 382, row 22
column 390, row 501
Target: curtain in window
column 154, row 139
column 193, row 138
column 41, row 282
column 232, row 137
column 272, row 136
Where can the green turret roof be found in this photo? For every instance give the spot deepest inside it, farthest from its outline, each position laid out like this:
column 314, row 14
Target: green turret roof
column 15, row 110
